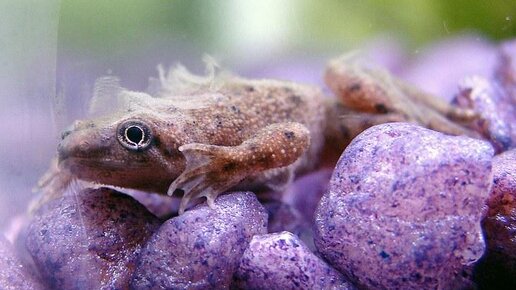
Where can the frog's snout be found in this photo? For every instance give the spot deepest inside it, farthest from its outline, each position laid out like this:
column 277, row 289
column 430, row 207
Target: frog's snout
column 66, row 132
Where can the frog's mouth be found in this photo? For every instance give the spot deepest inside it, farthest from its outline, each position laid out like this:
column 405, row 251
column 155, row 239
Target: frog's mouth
column 78, row 165
column 116, row 172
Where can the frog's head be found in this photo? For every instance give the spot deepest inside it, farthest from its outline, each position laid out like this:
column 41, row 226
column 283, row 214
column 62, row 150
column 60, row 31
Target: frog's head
column 135, row 149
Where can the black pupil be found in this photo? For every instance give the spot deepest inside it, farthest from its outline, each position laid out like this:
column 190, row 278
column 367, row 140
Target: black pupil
column 134, row 134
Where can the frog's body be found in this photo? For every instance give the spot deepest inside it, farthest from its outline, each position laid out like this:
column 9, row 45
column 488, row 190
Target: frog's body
column 257, row 131
column 208, row 138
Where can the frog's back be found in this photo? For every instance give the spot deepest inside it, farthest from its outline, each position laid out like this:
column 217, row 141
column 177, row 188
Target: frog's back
column 239, row 108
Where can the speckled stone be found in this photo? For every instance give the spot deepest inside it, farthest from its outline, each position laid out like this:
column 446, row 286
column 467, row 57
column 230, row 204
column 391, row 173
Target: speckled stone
column 201, row 248
column 497, row 113
column 506, row 70
column 404, row 206
column 494, row 98
column 498, row 267
column 14, row 274
column 90, row 240
column 282, row 261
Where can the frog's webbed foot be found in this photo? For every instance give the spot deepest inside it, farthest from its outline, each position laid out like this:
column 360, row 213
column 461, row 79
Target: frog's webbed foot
column 201, row 177
column 212, row 169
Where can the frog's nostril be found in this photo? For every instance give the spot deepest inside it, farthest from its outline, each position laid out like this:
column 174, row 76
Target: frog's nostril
column 65, row 133
column 68, row 130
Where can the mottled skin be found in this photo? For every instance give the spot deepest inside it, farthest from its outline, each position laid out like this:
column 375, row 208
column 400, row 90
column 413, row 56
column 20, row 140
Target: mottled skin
column 253, row 130
column 207, row 136
column 370, row 90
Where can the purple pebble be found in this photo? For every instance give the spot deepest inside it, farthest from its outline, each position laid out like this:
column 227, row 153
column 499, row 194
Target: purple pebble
column 202, row 248
column 506, row 71
column 13, row 274
column 498, row 266
column 90, row 240
column 282, row 261
column 404, row 206
column 497, row 115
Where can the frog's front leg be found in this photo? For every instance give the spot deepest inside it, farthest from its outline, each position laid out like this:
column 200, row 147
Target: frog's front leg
column 212, row 169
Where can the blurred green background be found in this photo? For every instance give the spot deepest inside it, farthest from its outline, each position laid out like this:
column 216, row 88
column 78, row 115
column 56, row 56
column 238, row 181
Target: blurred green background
column 236, row 27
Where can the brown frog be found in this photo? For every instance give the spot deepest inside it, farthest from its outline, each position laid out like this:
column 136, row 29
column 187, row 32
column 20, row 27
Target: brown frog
column 207, row 135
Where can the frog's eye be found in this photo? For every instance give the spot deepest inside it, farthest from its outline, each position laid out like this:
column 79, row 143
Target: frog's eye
column 134, row 135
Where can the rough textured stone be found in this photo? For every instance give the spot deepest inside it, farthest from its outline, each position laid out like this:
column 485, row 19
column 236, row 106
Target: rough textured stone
column 494, row 98
column 13, row 274
column 282, row 261
column 506, row 71
column 404, row 206
column 496, row 112
column 201, row 249
column 497, row 268
column 90, row 240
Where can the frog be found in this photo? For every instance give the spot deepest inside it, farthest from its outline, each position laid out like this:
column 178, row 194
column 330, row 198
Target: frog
column 200, row 136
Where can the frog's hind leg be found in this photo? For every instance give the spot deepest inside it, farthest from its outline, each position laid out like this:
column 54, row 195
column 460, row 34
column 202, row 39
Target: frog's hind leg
column 212, row 169
column 437, row 104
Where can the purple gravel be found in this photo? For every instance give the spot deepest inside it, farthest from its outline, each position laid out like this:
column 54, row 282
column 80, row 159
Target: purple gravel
column 13, row 274
column 496, row 113
column 506, row 71
column 89, row 241
column 500, row 222
column 201, row 249
column 494, row 98
column 282, row 261
column 404, row 206
column 498, row 266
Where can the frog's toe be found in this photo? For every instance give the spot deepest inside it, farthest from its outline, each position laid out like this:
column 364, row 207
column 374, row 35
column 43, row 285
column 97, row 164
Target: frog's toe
column 190, row 184
column 198, row 187
column 202, row 176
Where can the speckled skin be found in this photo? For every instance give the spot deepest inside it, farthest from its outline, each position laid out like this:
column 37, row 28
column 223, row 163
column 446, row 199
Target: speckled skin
column 89, row 241
column 282, row 261
column 404, row 206
column 205, row 137
column 383, row 98
column 201, row 249
column 13, row 274
column 497, row 268
column 203, row 143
